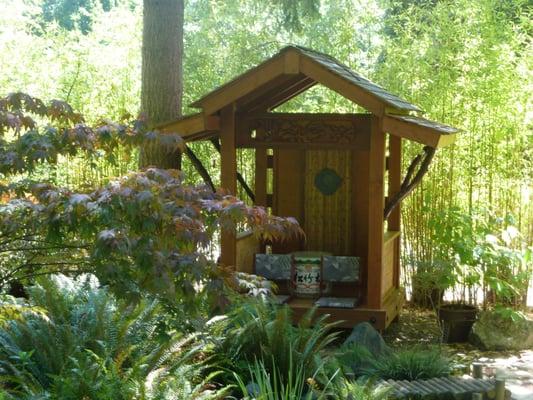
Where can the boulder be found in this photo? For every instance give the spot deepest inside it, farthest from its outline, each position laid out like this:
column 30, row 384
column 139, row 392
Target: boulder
column 493, row 332
column 253, row 389
column 364, row 335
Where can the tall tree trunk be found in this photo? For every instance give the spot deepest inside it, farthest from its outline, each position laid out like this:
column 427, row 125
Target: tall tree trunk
column 162, row 73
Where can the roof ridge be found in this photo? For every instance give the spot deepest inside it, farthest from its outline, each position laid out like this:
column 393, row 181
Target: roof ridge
column 336, row 67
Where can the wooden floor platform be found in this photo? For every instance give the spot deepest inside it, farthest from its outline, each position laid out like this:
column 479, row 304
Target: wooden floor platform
column 380, row 318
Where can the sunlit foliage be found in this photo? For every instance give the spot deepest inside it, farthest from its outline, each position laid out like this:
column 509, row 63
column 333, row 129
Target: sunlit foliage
column 466, row 63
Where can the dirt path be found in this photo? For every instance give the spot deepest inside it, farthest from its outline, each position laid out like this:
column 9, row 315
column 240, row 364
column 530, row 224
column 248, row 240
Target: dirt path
column 419, row 327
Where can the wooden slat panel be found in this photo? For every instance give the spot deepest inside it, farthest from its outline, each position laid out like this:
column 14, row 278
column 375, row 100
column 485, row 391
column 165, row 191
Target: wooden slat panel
column 314, row 204
column 247, row 246
column 328, row 218
column 288, row 194
column 375, row 213
column 387, row 280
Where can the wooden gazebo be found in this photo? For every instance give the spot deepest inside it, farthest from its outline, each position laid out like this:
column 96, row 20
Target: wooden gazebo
column 339, row 175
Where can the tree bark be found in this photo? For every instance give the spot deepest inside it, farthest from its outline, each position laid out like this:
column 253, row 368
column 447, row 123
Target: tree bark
column 162, row 74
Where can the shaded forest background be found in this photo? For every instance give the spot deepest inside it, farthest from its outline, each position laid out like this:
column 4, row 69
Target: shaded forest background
column 467, row 63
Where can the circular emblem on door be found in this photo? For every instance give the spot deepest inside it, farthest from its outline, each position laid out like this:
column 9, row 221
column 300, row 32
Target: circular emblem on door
column 327, row 181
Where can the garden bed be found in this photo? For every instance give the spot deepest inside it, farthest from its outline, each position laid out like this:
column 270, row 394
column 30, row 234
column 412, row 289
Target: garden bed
column 419, row 327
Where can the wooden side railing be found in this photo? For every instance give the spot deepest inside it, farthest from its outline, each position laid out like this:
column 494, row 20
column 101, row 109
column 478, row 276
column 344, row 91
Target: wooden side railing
column 247, row 246
column 391, row 261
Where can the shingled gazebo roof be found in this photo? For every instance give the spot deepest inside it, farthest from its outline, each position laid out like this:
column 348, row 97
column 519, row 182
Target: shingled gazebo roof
column 330, row 65
column 295, row 69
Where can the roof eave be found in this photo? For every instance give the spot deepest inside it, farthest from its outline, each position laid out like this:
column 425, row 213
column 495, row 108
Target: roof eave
column 429, row 133
column 193, row 127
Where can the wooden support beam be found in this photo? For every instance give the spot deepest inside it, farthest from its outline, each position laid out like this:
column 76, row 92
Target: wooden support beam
column 191, row 125
column 228, row 172
column 249, row 192
column 375, row 214
column 261, row 177
column 277, row 97
column 197, row 163
column 270, row 200
column 411, row 179
column 245, row 84
column 267, row 90
column 270, row 161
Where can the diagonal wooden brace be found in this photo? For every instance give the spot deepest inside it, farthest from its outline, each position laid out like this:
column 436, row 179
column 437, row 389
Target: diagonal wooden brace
column 410, row 181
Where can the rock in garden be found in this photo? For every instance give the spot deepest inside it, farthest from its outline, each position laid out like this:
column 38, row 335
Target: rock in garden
column 492, row 332
column 366, row 336
column 253, row 389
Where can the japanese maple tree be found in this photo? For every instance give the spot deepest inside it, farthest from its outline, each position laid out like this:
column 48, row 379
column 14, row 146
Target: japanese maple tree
column 145, row 233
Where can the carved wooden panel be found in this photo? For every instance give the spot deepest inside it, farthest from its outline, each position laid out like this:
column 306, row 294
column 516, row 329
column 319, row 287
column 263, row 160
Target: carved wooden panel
column 304, row 131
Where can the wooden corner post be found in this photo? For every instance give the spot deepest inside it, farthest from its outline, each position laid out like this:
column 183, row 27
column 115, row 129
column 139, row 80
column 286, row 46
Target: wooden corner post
column 261, row 177
column 228, row 172
column 376, row 203
column 395, row 182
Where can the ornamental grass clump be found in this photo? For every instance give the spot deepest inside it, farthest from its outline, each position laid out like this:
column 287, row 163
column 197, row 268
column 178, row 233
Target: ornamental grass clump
column 267, row 383
column 258, row 331
column 410, row 365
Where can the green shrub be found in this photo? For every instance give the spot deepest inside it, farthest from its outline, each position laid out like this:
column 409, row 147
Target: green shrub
column 258, row 330
column 354, row 359
column 410, row 365
column 89, row 345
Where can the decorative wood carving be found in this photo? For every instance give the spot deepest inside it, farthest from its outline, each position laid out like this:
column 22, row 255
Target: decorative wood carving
column 303, row 130
column 291, row 131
